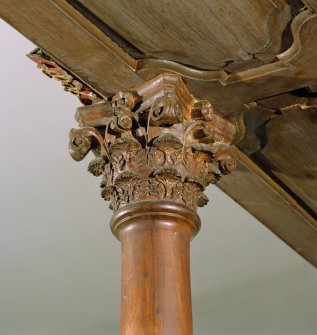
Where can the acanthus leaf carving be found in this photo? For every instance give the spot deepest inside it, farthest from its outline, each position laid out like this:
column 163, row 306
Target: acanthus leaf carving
column 159, row 143
column 97, row 166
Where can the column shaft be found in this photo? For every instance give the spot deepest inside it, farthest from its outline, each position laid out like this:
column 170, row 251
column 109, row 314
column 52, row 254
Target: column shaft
column 156, row 294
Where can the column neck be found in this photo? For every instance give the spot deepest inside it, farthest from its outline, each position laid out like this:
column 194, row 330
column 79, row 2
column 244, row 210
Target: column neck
column 162, row 212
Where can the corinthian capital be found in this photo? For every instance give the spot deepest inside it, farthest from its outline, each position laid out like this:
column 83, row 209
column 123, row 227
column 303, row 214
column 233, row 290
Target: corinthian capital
column 156, row 141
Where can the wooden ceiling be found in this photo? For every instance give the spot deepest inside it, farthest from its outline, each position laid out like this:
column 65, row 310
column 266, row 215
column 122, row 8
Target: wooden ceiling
column 208, row 35
column 255, row 60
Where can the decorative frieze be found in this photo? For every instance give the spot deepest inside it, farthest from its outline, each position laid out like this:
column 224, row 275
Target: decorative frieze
column 71, row 84
column 154, row 142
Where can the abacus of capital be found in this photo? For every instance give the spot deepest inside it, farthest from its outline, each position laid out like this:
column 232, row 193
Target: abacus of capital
column 156, row 149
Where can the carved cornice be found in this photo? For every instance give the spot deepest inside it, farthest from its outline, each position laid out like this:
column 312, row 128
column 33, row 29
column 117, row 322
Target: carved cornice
column 71, row 84
column 154, row 142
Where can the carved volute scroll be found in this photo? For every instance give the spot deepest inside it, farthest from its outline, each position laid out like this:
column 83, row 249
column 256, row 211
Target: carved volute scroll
column 154, row 142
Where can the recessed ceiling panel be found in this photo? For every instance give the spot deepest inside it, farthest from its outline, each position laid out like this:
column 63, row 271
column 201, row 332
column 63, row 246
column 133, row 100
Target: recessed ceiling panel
column 204, row 34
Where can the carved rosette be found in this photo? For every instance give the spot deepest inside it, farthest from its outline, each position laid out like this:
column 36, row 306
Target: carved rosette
column 157, row 142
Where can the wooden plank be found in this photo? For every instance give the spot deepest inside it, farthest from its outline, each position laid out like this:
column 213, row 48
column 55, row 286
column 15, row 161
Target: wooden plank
column 208, row 34
column 281, row 137
column 254, row 190
column 290, row 152
column 72, row 40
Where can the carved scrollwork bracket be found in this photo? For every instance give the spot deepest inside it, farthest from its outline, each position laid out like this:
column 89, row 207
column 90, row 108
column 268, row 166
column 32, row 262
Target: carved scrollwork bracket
column 154, row 142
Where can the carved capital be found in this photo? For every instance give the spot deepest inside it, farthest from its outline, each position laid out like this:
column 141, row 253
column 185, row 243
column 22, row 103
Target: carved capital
column 154, row 142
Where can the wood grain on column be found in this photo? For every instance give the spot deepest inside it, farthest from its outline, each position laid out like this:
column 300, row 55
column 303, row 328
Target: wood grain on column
column 156, row 294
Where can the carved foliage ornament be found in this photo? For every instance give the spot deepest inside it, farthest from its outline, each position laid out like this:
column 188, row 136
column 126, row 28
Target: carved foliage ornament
column 70, row 83
column 158, row 143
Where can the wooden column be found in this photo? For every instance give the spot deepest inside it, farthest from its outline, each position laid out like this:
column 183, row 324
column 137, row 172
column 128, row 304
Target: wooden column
column 157, row 147
column 155, row 294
